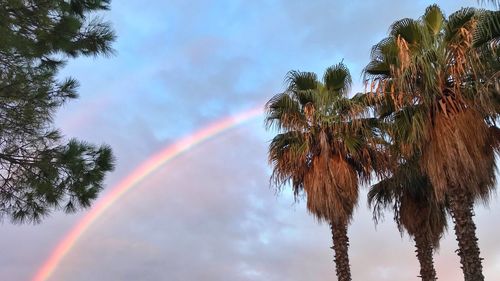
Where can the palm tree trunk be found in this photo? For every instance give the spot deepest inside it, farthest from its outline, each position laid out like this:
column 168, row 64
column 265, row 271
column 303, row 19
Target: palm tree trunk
column 424, row 255
column 461, row 207
column 341, row 246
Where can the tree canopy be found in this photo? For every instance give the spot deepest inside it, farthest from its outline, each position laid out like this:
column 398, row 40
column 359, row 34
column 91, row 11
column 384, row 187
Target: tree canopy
column 40, row 170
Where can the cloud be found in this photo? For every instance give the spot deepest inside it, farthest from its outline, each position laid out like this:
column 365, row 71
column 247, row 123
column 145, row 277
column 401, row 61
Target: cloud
column 209, row 215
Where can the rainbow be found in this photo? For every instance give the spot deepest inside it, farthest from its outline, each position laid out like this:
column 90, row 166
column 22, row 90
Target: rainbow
column 142, row 171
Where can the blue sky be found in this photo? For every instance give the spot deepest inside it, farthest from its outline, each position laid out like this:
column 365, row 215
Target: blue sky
column 210, row 214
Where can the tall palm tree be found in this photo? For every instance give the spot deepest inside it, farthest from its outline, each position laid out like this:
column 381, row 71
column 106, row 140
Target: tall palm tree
column 410, row 195
column 428, row 71
column 323, row 149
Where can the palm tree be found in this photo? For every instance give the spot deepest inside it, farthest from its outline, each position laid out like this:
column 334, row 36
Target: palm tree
column 429, row 74
column 410, row 195
column 323, row 149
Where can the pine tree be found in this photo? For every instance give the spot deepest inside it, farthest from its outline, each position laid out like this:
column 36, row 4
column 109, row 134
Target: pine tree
column 40, row 171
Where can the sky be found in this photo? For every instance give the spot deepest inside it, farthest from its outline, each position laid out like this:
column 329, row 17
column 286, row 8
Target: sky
column 210, row 214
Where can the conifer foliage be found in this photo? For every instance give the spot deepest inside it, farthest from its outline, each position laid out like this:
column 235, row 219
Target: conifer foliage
column 40, row 171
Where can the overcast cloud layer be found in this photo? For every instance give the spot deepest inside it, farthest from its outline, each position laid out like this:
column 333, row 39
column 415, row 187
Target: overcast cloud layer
column 209, row 214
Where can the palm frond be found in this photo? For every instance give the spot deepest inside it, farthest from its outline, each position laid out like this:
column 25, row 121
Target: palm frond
column 337, row 79
column 384, row 55
column 288, row 154
column 488, row 29
column 408, row 29
column 377, row 69
column 434, row 19
column 457, row 21
column 283, row 112
column 463, row 159
column 301, row 81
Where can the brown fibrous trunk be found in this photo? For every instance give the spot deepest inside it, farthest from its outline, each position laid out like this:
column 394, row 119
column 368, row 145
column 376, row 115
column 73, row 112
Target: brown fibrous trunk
column 461, row 207
column 424, row 254
column 341, row 246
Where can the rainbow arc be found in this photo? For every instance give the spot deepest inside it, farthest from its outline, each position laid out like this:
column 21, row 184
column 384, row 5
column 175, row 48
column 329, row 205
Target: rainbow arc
column 129, row 182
